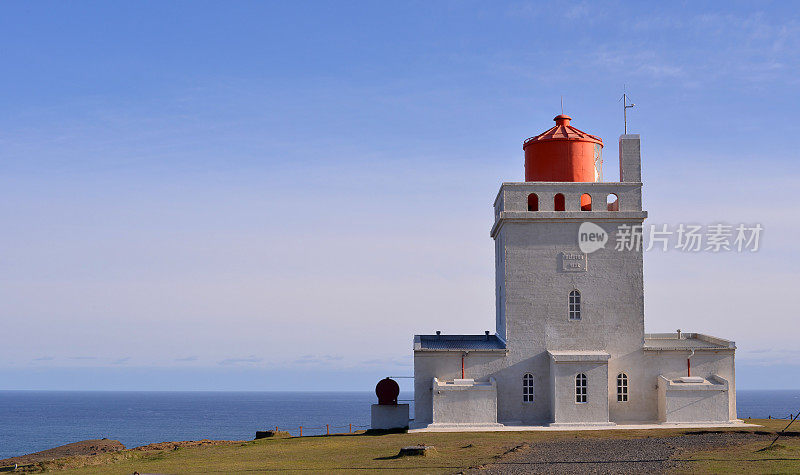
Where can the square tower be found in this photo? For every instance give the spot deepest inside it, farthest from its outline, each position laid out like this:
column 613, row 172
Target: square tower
column 570, row 346
column 563, row 310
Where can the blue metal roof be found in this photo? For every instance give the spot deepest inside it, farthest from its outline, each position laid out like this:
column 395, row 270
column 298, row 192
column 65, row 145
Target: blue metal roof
column 458, row 343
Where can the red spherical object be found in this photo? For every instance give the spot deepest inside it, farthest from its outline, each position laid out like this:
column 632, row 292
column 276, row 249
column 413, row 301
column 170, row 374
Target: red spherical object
column 387, row 391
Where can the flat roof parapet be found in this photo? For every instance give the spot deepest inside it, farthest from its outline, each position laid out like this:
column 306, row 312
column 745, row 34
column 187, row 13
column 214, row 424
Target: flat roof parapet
column 685, row 341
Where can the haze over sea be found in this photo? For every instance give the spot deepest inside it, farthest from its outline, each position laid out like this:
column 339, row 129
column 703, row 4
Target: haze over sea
column 37, row 420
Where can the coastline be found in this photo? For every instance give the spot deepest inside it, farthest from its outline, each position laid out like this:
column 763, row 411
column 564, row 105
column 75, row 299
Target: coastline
column 654, row 450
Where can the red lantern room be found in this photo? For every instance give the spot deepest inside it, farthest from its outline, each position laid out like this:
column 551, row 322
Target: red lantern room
column 563, row 153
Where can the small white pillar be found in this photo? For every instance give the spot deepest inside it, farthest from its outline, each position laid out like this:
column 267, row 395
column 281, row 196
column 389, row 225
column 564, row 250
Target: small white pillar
column 630, row 158
column 390, row 416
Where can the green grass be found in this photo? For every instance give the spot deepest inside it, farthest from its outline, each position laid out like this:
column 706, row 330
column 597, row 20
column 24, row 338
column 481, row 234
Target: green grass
column 454, row 452
column 753, row 457
column 783, row 457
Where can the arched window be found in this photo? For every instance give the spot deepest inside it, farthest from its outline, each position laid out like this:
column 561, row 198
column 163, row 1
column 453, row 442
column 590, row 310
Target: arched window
column 533, row 202
column 622, row 387
column 586, row 202
column 580, row 388
column 527, row 387
column 575, row 305
column 559, row 202
column 612, row 202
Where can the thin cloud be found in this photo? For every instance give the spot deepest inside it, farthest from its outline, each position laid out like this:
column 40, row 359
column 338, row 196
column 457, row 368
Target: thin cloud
column 317, row 359
column 398, row 361
column 579, row 11
column 582, row 11
column 237, row 361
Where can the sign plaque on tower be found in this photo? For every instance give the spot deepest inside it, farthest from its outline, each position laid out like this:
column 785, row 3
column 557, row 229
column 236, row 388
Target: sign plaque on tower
column 573, row 261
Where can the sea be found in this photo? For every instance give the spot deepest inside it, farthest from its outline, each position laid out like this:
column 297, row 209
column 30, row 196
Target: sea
column 31, row 421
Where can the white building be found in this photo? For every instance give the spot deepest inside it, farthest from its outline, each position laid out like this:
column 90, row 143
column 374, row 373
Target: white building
column 570, row 345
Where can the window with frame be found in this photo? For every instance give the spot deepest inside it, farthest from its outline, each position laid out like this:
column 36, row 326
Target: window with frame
column 575, row 305
column 580, row 389
column 527, row 387
column 622, row 387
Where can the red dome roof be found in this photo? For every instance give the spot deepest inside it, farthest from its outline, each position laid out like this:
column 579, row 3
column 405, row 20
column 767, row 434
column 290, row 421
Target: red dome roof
column 563, row 131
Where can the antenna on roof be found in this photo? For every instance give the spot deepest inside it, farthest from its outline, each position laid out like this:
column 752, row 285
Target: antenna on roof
column 562, row 104
column 625, row 107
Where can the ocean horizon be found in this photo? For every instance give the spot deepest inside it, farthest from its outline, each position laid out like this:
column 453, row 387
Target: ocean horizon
column 31, row 421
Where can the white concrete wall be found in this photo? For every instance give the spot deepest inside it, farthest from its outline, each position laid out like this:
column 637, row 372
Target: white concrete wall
column 691, row 402
column 392, row 416
column 532, row 311
column 481, row 366
column 643, row 369
column 535, row 305
column 630, row 163
column 672, row 364
column 446, row 366
column 465, row 404
column 513, row 198
column 641, row 403
column 566, row 409
column 500, row 316
column 532, row 308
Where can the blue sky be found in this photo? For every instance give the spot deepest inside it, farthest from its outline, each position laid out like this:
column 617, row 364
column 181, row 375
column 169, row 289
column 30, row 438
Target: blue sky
column 278, row 195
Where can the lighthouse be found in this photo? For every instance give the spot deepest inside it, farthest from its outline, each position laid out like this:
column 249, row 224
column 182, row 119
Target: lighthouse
column 569, row 346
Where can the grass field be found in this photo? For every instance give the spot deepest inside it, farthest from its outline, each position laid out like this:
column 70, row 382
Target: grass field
column 454, row 452
column 753, row 457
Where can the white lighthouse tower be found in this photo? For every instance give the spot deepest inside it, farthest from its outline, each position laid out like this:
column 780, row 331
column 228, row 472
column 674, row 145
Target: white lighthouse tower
column 570, row 346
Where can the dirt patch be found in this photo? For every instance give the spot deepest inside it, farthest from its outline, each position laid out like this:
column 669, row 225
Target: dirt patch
column 102, row 446
column 84, row 447
column 185, row 443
